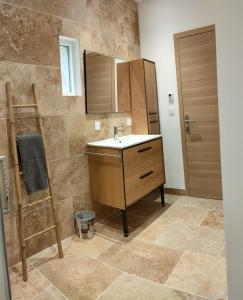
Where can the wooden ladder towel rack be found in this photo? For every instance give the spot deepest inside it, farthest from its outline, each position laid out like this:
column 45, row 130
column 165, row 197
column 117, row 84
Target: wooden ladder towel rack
column 18, row 173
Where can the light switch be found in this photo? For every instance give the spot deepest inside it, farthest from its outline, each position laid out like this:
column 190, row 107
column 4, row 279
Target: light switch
column 171, row 111
column 129, row 122
column 97, row 125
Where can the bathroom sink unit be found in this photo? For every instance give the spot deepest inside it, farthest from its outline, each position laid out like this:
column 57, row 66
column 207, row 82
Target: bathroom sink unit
column 125, row 141
column 124, row 170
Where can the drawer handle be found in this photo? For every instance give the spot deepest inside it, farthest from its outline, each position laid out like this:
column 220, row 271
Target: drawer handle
column 144, row 149
column 153, row 122
column 146, row 174
column 153, row 113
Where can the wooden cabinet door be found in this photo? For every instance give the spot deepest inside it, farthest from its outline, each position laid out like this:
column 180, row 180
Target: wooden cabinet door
column 151, row 97
column 138, row 98
column 123, row 87
column 100, row 76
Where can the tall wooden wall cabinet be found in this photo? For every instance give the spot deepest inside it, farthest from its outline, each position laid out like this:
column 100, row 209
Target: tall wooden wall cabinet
column 142, row 85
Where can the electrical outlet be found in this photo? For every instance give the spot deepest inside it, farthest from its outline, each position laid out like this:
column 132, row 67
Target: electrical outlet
column 129, row 122
column 97, row 125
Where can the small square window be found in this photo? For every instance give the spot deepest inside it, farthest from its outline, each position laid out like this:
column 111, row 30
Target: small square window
column 70, row 66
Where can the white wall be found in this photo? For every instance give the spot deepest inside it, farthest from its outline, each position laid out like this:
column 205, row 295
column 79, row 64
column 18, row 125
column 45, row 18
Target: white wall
column 159, row 20
column 229, row 27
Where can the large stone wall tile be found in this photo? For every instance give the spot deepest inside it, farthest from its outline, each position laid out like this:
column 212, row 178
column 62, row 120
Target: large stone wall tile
column 49, row 91
column 68, row 9
column 79, row 202
column 81, row 130
column 28, row 37
column 21, row 77
column 78, row 31
column 131, row 4
column 66, row 217
column 120, row 121
column 22, row 3
column 56, row 137
column 68, row 176
column 128, row 24
column 36, row 221
column 12, row 241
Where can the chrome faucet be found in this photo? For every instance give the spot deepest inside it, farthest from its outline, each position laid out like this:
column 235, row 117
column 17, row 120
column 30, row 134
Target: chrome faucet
column 116, row 130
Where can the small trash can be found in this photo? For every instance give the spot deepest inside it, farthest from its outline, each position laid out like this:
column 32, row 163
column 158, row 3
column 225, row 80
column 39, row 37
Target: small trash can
column 85, row 223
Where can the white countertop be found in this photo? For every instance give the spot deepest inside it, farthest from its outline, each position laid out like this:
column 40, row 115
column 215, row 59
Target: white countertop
column 125, row 141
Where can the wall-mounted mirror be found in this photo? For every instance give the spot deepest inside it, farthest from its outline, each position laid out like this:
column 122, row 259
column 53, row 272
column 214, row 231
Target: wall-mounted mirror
column 107, row 87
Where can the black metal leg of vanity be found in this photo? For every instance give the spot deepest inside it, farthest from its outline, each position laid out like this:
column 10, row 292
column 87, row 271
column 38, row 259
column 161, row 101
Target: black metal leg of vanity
column 124, row 220
column 162, row 196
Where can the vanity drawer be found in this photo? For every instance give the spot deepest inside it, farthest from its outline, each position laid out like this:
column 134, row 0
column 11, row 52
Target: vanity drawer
column 139, row 185
column 139, row 158
column 143, row 169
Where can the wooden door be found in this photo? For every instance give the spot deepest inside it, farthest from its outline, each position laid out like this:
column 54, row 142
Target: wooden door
column 197, row 85
column 151, row 97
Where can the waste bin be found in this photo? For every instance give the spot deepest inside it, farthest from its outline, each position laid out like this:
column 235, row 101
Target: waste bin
column 85, row 223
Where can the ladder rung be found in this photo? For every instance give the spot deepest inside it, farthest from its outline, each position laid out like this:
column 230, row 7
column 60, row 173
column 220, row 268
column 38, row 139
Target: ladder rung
column 40, row 233
column 36, row 202
column 24, row 105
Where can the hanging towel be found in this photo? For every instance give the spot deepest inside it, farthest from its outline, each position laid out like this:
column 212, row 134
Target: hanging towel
column 32, row 159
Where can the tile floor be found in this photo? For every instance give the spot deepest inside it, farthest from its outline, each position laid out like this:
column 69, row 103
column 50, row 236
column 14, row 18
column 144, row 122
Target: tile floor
column 172, row 253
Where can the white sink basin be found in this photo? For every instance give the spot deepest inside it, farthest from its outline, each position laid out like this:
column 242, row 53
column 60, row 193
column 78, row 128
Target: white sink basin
column 125, row 141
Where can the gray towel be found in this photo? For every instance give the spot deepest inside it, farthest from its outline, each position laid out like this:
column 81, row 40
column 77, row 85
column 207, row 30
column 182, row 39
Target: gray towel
column 32, row 158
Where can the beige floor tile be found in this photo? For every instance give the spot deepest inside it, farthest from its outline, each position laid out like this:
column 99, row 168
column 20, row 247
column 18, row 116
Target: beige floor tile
column 91, row 247
column 199, row 202
column 27, row 290
column 128, row 287
column 186, row 214
column 50, row 294
column 77, row 276
column 171, row 199
column 193, row 238
column 142, row 259
column 154, row 230
column 200, row 274
column 214, row 219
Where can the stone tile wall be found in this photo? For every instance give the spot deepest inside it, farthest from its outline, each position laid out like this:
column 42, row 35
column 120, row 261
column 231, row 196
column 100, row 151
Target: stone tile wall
column 29, row 53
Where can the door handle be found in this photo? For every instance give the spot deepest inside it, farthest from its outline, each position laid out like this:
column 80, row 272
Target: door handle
column 188, row 121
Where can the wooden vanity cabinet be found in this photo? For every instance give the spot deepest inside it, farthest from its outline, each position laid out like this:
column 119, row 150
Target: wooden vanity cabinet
column 120, row 177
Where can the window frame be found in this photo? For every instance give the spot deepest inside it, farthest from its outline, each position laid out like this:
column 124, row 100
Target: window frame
column 74, row 65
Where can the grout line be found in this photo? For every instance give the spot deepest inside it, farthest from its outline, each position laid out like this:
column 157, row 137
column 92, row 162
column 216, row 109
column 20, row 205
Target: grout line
column 176, row 289
column 51, row 284
column 110, row 286
column 187, row 292
column 110, row 239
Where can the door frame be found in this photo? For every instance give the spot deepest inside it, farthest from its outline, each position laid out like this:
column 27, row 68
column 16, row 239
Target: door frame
column 177, row 37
